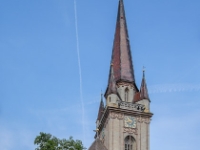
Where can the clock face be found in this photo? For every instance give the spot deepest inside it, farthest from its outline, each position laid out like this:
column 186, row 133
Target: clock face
column 129, row 122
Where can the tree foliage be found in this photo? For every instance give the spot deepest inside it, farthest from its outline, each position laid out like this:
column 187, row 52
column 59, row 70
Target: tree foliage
column 46, row 141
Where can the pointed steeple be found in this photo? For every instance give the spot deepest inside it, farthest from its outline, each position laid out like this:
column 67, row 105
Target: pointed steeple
column 121, row 53
column 143, row 89
column 111, row 89
column 101, row 108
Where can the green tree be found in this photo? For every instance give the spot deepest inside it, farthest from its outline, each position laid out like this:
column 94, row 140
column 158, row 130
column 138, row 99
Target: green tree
column 46, row 141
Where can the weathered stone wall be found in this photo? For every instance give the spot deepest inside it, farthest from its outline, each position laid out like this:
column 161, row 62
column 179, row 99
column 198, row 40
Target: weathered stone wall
column 121, row 90
column 115, row 132
column 145, row 102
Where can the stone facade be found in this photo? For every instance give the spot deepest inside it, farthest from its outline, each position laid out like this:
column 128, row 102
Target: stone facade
column 112, row 130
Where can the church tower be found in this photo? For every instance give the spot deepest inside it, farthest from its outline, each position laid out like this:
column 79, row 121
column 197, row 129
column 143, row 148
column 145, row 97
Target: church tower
column 123, row 123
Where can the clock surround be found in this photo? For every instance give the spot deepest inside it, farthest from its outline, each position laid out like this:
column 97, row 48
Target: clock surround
column 129, row 122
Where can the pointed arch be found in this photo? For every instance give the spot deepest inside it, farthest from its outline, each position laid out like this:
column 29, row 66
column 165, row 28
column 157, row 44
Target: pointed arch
column 129, row 142
column 126, row 93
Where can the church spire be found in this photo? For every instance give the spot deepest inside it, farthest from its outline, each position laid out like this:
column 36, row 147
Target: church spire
column 101, row 108
column 143, row 89
column 124, row 102
column 121, row 53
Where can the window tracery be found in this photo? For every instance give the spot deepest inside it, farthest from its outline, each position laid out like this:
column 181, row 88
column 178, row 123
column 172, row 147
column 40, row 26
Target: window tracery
column 129, row 141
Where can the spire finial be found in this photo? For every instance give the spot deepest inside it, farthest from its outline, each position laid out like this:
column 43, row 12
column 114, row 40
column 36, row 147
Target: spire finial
column 143, row 89
column 143, row 70
column 111, row 82
column 101, row 96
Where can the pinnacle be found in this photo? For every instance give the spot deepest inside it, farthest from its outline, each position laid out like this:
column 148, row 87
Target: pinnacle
column 143, row 89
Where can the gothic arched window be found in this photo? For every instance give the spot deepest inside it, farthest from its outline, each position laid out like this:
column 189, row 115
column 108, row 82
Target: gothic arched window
column 126, row 94
column 129, row 141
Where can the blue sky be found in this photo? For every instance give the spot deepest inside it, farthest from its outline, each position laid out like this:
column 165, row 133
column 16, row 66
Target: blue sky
column 39, row 72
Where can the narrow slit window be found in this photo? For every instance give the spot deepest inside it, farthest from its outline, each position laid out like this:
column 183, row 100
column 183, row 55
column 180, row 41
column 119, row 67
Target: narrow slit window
column 109, row 99
column 126, row 94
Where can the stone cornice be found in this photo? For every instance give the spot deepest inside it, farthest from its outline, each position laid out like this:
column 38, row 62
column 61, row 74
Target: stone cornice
column 117, row 113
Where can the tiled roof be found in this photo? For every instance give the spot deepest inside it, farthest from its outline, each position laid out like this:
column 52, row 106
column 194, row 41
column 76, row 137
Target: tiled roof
column 122, row 67
column 121, row 54
column 97, row 145
column 136, row 97
column 111, row 83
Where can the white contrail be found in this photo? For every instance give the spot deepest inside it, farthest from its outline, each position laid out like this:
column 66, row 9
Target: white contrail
column 80, row 76
column 164, row 88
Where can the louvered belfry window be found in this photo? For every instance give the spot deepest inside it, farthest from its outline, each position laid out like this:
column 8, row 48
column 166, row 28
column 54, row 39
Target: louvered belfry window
column 129, row 141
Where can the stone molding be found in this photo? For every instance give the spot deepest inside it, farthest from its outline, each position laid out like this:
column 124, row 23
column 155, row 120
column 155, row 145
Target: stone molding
column 112, row 110
column 130, row 130
column 114, row 115
column 143, row 120
column 125, row 84
column 131, row 106
column 147, row 120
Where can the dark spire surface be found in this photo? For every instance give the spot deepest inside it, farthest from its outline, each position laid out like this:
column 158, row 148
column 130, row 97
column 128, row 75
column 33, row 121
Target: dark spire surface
column 121, row 53
column 111, row 89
